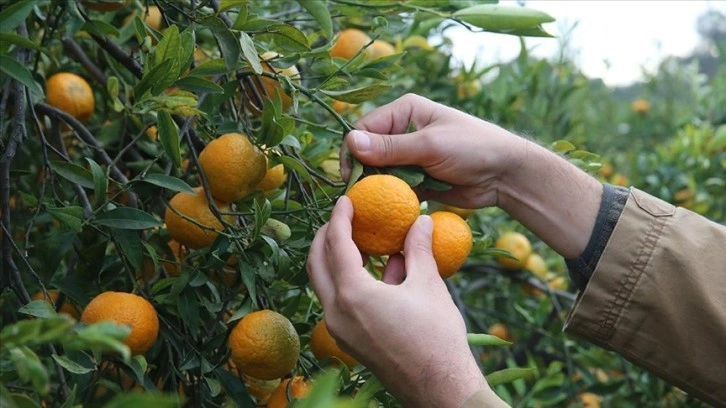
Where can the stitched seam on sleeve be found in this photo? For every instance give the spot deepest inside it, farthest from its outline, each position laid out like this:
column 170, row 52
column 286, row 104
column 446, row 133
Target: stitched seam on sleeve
column 620, row 298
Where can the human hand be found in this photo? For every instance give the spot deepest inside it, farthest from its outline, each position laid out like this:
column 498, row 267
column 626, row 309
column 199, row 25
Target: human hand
column 404, row 328
column 470, row 154
column 485, row 164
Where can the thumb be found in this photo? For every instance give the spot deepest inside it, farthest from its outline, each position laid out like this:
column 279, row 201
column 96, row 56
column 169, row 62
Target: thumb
column 386, row 150
column 418, row 252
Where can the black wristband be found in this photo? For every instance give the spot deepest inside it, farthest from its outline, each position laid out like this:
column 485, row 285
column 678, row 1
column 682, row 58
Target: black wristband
column 611, row 206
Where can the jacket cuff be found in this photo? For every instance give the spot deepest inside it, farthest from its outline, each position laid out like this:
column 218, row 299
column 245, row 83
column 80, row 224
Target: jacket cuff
column 611, row 206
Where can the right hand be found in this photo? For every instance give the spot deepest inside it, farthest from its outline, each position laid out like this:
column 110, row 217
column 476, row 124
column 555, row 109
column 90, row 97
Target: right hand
column 468, row 153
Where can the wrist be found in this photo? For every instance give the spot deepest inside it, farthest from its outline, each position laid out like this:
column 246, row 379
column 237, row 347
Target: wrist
column 551, row 197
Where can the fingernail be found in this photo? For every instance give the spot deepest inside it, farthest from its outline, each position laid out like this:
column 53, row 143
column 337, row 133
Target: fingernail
column 427, row 223
column 361, row 141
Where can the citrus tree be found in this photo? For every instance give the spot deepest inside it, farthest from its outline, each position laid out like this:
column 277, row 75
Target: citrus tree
column 165, row 165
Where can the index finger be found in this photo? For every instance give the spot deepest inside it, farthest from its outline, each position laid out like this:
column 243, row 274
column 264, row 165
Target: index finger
column 394, row 117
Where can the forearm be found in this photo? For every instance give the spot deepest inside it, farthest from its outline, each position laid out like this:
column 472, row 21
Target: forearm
column 552, row 198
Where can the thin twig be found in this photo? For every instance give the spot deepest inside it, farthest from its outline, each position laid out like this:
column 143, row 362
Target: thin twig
column 76, row 52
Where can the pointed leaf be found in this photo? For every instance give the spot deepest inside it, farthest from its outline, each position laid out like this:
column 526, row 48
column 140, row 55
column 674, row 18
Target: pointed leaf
column 72, row 366
column 198, row 85
column 358, row 95
column 169, row 137
column 508, row 375
column 319, row 10
column 167, row 182
column 127, row 218
column 250, row 53
column 14, row 14
column 73, row 173
column 100, row 182
column 20, row 73
column 478, row 339
column 498, row 17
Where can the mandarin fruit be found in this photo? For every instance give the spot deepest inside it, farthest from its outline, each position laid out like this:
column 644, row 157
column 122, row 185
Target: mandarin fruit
column 233, row 166
column 264, row 345
column 195, row 207
column 71, row 94
column 451, row 242
column 126, row 309
column 324, row 346
column 384, row 208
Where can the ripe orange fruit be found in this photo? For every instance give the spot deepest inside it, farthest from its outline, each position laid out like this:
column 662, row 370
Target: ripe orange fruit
column 105, row 5
column 537, row 265
column 324, row 346
column 384, row 207
column 129, row 309
column 261, row 390
column 233, row 166
column 270, row 86
column 518, row 245
column 274, row 179
column 590, row 400
column 297, row 388
column 71, row 94
column 461, row 212
column 342, row 107
column 152, row 17
column 451, row 242
column 349, row 42
column 196, row 207
column 500, row 330
column 640, row 106
column 264, row 345
column 66, row 307
column 381, row 48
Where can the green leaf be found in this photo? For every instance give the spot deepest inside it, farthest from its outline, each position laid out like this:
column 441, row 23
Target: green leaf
column 234, row 388
column 10, row 38
column 29, row 368
column 250, row 53
column 563, row 146
column 157, row 75
column 497, row 17
column 169, row 137
column 72, row 366
column 20, row 73
column 323, row 391
column 168, row 48
column 509, row 374
column 100, row 182
column 16, row 13
column 38, row 308
column 228, row 42
column 167, row 182
column 358, row 95
column 71, row 216
column 215, row 66
column 73, row 173
column 198, row 85
column 131, row 246
column 294, row 165
column 34, row 332
column 230, row 4
column 286, row 37
column 412, row 175
column 319, row 10
column 102, row 336
column 127, row 218
column 478, row 339
column 133, row 400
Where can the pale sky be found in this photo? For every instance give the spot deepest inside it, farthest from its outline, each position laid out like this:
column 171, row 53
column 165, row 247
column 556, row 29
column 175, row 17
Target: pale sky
column 612, row 40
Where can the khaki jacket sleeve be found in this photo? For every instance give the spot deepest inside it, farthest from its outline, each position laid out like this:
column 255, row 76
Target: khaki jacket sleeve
column 658, row 296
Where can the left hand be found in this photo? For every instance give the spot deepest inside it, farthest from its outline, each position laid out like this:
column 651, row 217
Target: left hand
column 405, row 328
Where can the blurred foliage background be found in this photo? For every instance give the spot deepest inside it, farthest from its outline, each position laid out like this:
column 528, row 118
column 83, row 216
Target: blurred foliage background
column 83, row 203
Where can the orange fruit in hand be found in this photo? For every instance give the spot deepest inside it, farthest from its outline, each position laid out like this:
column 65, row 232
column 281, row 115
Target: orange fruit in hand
column 233, row 166
column 270, row 86
column 66, row 307
column 380, row 49
column 71, row 94
column 196, row 207
column 296, row 389
column 451, row 242
column 384, row 208
column 518, row 245
column 264, row 345
column 349, row 42
column 324, row 346
column 128, row 309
